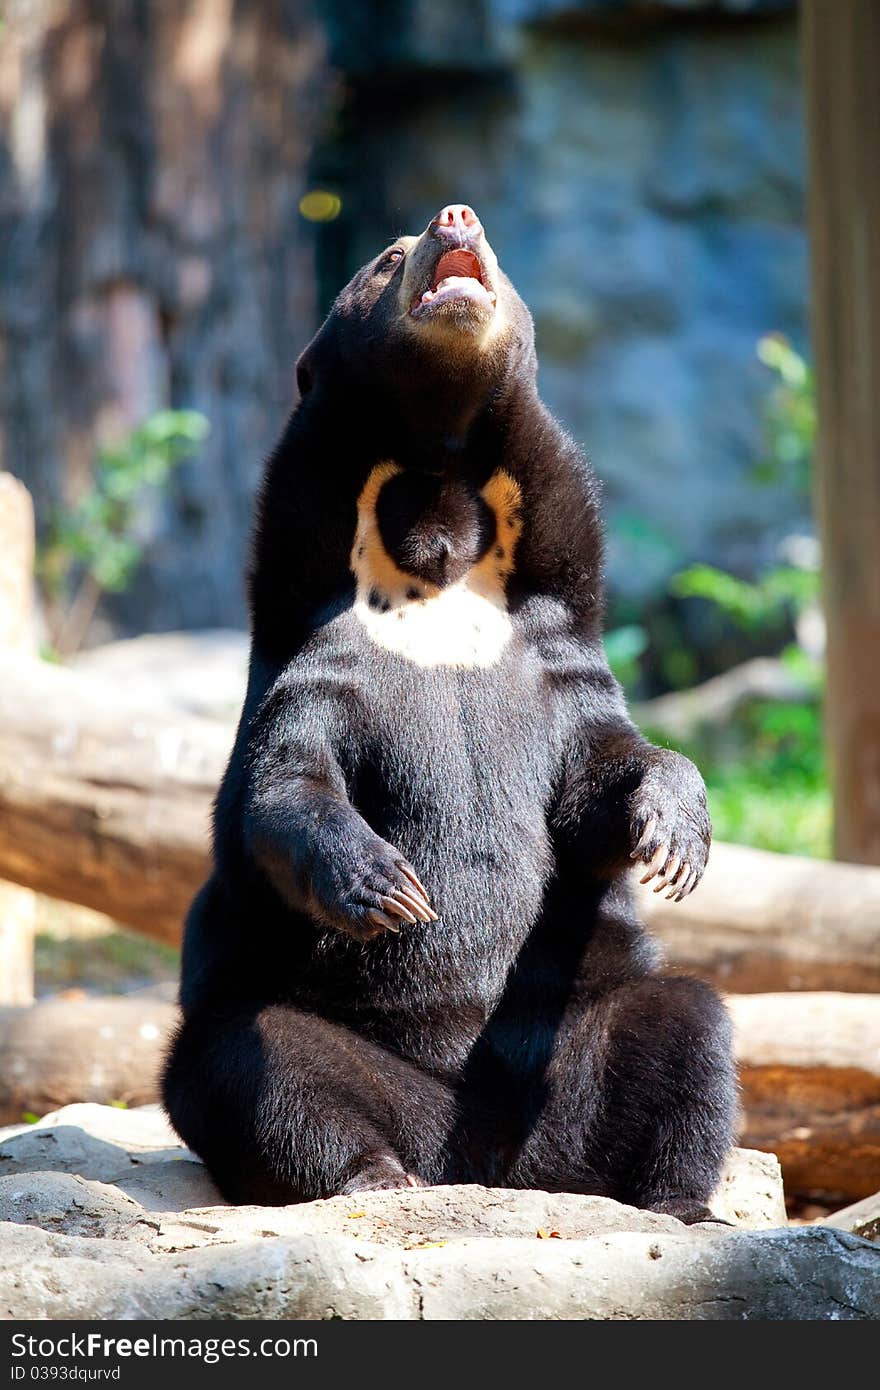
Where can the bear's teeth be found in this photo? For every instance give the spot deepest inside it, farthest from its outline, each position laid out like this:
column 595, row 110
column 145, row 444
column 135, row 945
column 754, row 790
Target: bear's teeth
column 454, row 281
column 451, row 280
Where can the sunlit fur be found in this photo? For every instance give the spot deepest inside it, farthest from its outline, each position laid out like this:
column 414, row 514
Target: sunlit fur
column 528, row 1036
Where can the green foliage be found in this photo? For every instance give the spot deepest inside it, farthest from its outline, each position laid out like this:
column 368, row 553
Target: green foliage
column 790, row 426
column 765, row 772
column 790, row 415
column 776, row 594
column 93, row 546
column 96, row 534
column 783, row 591
column 623, row 648
column 766, row 777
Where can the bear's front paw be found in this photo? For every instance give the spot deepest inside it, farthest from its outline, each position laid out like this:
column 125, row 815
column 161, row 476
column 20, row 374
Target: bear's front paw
column 671, row 826
column 368, row 888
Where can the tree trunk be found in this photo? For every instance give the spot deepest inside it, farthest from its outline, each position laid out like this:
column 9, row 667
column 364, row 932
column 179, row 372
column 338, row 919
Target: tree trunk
column 153, row 158
column 18, row 907
column 841, row 50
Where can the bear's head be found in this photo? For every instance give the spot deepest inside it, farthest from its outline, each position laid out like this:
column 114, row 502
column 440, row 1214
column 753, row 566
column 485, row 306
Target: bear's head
column 431, row 315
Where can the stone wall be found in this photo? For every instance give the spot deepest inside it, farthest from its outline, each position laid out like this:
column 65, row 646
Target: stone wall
column 639, row 169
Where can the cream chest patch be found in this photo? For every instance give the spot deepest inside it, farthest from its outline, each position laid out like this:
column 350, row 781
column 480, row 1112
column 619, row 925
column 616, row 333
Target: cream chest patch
column 465, row 624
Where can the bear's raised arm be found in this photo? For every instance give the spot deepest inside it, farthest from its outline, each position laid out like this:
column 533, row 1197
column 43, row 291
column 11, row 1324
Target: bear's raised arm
column 299, row 827
column 622, row 799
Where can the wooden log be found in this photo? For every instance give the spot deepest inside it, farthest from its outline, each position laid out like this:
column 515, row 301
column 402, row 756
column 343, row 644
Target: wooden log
column 66, row 1050
column 103, row 803
column 810, row 1075
column 762, row 921
column 683, row 713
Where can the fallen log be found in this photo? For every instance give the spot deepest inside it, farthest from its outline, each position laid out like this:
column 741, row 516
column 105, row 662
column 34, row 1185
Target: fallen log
column 18, row 906
column 810, row 1076
column 89, row 1049
column 104, row 803
column 107, row 804
column 762, row 921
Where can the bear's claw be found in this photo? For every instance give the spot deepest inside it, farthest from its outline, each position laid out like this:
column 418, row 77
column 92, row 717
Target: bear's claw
column 671, row 828
column 410, row 873
column 676, row 874
column 367, row 888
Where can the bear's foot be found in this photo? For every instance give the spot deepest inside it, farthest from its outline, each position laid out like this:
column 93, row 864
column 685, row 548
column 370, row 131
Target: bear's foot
column 687, row 1211
column 379, row 1172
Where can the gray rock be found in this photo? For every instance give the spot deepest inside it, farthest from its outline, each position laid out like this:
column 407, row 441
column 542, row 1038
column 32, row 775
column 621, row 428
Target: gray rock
column 66, row 1204
column 103, row 1214
column 633, row 1276
column 95, row 1141
column 51, row 1276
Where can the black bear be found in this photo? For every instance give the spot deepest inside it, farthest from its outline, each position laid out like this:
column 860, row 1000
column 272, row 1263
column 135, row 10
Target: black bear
column 418, row 959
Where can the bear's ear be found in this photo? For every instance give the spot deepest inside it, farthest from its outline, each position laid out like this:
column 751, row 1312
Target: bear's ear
column 315, row 359
column 304, row 376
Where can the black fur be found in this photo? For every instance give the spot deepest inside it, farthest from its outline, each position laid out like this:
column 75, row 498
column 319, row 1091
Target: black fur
column 525, row 1038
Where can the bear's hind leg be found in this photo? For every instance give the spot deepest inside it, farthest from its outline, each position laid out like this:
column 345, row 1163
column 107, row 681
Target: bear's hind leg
column 284, row 1106
column 641, row 1100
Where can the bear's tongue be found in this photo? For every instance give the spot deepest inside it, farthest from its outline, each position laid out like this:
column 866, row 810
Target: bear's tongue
column 457, row 275
column 461, row 264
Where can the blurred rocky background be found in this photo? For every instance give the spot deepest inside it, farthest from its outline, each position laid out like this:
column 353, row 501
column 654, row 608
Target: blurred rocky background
column 638, row 166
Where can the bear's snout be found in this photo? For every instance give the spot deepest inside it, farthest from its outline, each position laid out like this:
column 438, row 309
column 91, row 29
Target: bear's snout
column 456, row 223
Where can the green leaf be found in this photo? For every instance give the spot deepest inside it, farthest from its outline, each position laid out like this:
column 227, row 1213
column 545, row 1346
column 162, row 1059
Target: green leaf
column 100, row 534
column 623, row 648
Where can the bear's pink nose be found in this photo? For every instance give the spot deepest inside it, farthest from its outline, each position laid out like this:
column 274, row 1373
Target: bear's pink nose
column 457, row 220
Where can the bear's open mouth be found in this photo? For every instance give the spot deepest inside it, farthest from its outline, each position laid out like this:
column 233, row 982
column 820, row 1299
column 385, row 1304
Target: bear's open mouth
column 457, row 275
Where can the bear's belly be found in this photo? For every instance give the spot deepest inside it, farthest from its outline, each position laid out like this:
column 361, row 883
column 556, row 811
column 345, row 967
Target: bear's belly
column 445, row 765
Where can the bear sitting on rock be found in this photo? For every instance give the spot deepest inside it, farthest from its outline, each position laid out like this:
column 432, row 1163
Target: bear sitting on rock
column 417, row 959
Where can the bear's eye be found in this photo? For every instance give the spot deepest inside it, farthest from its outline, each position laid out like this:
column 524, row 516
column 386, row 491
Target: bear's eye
column 394, row 256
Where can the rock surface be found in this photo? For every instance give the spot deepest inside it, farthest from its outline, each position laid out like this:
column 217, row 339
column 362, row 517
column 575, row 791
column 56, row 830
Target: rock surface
column 104, row 1214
